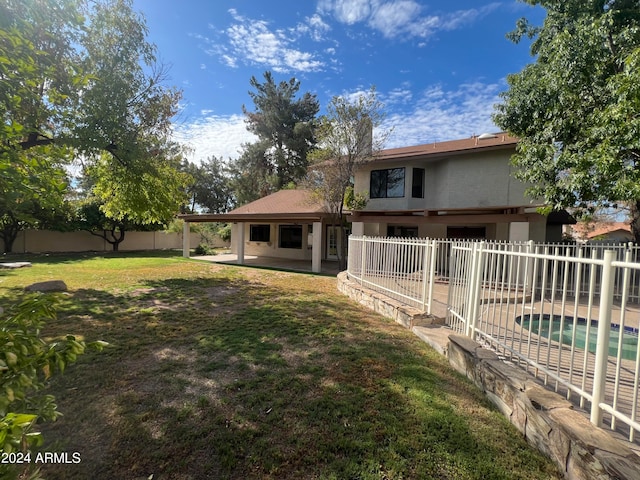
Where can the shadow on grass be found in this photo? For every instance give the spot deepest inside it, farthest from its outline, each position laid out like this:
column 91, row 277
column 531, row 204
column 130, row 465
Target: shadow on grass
column 218, row 378
column 70, row 258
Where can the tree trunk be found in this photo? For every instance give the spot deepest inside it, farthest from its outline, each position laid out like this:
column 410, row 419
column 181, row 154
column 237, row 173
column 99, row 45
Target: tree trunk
column 634, row 214
column 8, row 234
column 115, row 241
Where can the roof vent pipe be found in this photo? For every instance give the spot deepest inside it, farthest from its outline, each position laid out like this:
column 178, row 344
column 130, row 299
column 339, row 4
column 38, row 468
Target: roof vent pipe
column 486, row 136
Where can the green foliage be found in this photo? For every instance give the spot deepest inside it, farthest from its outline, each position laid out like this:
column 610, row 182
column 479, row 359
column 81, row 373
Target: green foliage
column 210, row 189
column 252, row 174
column 224, row 231
column 204, row 249
column 577, row 108
column 285, row 127
column 153, row 194
column 32, row 189
column 27, row 361
column 79, row 80
column 355, row 201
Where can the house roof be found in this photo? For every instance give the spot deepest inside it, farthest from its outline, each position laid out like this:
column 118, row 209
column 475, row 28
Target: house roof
column 593, row 230
column 284, row 201
column 486, row 141
column 284, row 205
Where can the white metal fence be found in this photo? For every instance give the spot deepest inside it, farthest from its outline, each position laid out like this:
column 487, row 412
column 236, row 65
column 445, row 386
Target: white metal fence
column 401, row 268
column 569, row 315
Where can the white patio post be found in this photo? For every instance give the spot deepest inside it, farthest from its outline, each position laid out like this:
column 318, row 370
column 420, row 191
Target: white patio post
column 186, row 239
column 519, row 231
column 240, row 243
column 316, row 248
column 357, row 229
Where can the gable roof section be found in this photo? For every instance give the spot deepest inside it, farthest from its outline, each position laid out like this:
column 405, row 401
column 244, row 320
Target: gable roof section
column 284, row 205
column 283, row 201
column 493, row 141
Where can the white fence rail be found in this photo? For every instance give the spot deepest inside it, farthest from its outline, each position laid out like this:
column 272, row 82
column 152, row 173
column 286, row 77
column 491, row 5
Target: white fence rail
column 569, row 315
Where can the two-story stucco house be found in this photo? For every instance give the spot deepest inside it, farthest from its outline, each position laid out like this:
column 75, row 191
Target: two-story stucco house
column 453, row 189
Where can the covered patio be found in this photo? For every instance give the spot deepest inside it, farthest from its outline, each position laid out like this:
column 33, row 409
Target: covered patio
column 287, row 227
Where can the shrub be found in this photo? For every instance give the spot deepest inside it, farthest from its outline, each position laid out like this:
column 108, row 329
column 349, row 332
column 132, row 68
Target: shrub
column 204, row 249
column 27, row 361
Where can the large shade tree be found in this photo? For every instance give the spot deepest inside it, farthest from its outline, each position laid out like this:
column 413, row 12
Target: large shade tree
column 284, row 125
column 576, row 109
column 78, row 79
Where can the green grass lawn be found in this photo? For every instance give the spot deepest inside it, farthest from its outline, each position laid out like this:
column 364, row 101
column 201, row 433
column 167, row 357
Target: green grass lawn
column 227, row 372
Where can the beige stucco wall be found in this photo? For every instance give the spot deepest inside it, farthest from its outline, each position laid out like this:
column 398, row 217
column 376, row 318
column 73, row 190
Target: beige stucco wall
column 271, row 249
column 36, row 241
column 481, row 179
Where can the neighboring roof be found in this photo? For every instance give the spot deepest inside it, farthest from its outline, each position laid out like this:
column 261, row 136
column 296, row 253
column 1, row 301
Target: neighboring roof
column 288, row 205
column 491, row 141
column 591, row 230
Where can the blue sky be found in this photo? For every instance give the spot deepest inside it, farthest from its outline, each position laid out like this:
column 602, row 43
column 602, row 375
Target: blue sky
column 437, row 66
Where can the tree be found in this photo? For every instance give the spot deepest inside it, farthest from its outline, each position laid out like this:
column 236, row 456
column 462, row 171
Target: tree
column 79, row 80
column 31, row 192
column 284, row 126
column 576, row 109
column 346, row 141
column 210, row 190
column 252, row 175
column 90, row 217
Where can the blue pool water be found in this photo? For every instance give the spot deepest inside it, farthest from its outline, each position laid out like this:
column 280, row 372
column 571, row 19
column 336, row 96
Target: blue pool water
column 551, row 329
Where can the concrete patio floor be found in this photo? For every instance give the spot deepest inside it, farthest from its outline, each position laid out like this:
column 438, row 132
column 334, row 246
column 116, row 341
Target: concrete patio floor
column 304, row 266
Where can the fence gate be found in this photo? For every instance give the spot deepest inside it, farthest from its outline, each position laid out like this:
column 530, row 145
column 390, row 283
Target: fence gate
column 465, row 268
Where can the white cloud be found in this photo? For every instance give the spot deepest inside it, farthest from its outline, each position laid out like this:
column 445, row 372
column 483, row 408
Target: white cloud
column 399, row 18
column 254, row 42
column 352, row 11
column 441, row 114
column 221, row 136
column 400, row 95
column 391, row 18
column 314, row 26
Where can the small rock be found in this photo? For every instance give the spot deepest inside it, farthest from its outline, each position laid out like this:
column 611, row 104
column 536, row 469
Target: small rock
column 50, row 286
column 15, row 264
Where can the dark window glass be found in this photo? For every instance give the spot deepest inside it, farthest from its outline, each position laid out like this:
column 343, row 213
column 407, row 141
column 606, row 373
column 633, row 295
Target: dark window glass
column 417, row 184
column 387, row 183
column 400, row 231
column 466, row 232
column 378, row 184
column 290, row 236
column 259, row 233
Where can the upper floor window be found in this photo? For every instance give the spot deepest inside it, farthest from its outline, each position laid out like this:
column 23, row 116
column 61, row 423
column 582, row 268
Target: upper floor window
column 417, row 183
column 387, row 183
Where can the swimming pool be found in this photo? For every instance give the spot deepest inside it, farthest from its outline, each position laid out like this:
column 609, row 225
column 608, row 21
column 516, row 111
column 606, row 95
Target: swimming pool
column 551, row 329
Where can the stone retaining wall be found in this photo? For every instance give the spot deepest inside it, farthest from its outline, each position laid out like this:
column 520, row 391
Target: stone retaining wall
column 380, row 303
column 546, row 419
